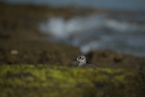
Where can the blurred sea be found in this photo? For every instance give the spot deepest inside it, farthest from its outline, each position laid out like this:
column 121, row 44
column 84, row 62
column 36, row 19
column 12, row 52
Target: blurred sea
column 98, row 32
column 121, row 33
column 134, row 5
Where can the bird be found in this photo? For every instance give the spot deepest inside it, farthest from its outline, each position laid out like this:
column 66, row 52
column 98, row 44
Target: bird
column 82, row 61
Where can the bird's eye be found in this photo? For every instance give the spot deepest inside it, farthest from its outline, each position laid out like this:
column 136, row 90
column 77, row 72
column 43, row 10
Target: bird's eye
column 79, row 57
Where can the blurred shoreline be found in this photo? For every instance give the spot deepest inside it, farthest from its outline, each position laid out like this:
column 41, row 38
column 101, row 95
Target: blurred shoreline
column 20, row 39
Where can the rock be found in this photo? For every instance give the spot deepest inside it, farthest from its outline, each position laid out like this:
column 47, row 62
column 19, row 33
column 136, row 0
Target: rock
column 14, row 52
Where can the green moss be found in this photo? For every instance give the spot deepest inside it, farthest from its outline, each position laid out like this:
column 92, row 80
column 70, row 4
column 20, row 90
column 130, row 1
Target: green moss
column 48, row 80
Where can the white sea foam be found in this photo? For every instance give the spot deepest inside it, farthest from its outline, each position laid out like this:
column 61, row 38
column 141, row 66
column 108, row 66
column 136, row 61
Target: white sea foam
column 58, row 27
column 97, row 32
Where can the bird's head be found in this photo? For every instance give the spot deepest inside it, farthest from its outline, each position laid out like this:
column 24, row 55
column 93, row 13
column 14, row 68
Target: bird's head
column 81, row 58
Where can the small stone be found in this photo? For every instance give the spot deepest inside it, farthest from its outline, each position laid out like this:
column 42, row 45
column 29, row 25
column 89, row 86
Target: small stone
column 14, row 52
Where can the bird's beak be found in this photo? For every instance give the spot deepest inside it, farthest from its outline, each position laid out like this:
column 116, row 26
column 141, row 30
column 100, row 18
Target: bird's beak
column 74, row 60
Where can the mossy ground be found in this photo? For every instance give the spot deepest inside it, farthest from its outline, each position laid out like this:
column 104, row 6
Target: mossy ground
column 61, row 81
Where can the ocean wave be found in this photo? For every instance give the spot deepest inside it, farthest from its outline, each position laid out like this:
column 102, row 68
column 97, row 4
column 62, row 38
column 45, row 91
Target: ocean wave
column 97, row 32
